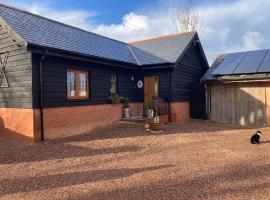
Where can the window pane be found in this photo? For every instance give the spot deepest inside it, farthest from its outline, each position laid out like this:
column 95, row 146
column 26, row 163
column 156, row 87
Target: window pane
column 83, row 84
column 113, row 84
column 71, row 84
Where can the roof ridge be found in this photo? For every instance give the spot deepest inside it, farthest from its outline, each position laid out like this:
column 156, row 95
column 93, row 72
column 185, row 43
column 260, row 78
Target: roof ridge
column 162, row 37
column 62, row 23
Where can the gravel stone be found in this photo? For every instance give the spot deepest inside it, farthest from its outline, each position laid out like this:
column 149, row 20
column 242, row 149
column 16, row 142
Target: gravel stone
column 195, row 160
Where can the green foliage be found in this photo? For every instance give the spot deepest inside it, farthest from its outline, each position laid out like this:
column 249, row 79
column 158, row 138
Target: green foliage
column 115, row 98
column 125, row 101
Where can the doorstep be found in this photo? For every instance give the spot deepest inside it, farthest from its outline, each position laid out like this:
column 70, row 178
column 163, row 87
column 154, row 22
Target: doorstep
column 138, row 119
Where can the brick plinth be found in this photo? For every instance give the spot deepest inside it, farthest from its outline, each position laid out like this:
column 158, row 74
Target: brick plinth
column 180, row 111
column 79, row 119
column 136, row 108
column 18, row 121
column 62, row 121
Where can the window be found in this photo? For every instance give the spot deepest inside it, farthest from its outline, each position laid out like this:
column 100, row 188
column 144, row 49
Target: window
column 77, row 84
column 113, row 84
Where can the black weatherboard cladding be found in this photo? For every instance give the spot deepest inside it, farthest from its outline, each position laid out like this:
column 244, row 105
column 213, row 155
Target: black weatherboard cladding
column 55, row 82
column 186, row 84
column 187, row 73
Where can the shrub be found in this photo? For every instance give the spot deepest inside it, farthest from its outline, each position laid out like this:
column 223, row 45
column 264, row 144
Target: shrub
column 115, row 98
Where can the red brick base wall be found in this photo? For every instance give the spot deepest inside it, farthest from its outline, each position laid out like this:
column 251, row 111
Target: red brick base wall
column 79, row 119
column 61, row 121
column 180, row 111
column 136, row 109
column 18, row 121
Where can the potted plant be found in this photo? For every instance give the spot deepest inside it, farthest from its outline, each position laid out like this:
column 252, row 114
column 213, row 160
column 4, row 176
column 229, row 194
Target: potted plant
column 127, row 110
column 115, row 98
column 149, row 111
column 155, row 124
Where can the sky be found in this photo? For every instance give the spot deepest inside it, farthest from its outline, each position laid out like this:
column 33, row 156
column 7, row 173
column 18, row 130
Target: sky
column 225, row 25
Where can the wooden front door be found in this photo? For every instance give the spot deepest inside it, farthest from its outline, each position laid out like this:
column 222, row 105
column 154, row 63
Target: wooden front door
column 150, row 88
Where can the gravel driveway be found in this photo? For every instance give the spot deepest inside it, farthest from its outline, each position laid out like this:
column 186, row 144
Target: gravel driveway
column 196, row 160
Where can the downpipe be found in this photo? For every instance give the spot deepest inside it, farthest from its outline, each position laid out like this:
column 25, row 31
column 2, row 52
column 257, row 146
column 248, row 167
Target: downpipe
column 41, row 94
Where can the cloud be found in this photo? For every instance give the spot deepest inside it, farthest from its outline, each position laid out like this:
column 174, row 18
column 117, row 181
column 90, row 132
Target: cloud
column 131, row 27
column 237, row 26
column 251, row 40
column 134, row 27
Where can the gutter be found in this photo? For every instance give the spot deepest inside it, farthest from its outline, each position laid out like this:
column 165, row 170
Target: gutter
column 41, row 94
column 79, row 56
column 244, row 80
column 87, row 58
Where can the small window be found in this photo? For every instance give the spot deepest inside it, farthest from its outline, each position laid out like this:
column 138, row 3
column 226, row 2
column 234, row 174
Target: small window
column 77, row 84
column 113, row 84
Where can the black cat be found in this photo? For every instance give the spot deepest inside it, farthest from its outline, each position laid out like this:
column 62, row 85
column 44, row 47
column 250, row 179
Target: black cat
column 255, row 139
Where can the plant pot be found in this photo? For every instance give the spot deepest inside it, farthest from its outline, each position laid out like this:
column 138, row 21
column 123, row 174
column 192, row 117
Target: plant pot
column 150, row 113
column 127, row 112
column 155, row 126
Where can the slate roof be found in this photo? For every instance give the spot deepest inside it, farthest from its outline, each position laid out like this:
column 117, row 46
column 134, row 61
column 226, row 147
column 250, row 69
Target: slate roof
column 239, row 66
column 40, row 31
column 165, row 49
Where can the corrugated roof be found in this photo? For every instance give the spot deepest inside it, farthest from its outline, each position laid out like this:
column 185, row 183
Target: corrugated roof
column 41, row 31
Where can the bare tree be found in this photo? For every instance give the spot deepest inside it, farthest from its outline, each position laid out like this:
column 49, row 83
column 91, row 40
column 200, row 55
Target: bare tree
column 186, row 19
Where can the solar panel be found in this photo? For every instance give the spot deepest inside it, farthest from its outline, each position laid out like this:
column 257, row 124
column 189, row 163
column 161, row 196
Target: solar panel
column 251, row 62
column 230, row 62
column 265, row 66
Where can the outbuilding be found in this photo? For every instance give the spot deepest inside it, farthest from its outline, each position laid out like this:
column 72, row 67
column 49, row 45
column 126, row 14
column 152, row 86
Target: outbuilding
column 238, row 88
column 56, row 78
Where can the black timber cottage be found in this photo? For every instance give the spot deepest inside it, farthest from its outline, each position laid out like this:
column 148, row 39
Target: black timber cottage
column 56, row 79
